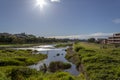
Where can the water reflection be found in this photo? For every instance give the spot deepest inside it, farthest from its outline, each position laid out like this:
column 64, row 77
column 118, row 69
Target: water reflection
column 52, row 56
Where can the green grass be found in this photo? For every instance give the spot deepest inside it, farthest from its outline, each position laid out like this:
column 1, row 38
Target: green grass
column 19, row 57
column 16, row 45
column 14, row 66
column 101, row 62
column 10, row 59
column 58, row 65
column 31, row 74
column 63, row 45
column 56, row 76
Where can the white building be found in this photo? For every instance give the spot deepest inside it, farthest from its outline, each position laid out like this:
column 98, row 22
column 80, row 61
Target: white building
column 115, row 39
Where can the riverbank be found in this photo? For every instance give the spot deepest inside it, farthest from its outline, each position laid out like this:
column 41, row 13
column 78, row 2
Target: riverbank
column 57, row 45
column 73, row 57
column 2, row 46
column 101, row 62
column 14, row 65
column 11, row 59
column 63, row 45
column 54, row 55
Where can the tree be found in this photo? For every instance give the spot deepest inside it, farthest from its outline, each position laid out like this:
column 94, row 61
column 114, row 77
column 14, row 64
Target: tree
column 91, row 40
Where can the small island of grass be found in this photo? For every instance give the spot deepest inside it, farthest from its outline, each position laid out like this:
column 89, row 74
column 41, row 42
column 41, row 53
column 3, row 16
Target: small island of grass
column 58, row 65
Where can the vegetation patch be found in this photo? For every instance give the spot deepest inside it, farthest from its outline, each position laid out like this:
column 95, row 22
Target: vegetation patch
column 32, row 74
column 58, row 65
column 10, row 57
column 63, row 45
column 99, row 63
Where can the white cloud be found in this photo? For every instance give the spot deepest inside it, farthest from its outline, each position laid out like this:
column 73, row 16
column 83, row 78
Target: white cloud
column 84, row 36
column 116, row 21
column 55, row 0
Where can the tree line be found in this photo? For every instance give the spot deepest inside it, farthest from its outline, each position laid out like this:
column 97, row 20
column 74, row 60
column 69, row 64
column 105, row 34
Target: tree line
column 22, row 38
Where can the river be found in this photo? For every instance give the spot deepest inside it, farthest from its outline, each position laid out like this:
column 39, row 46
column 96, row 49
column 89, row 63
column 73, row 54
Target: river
column 52, row 52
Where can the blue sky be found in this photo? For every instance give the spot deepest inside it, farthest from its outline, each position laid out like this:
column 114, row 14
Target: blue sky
column 60, row 17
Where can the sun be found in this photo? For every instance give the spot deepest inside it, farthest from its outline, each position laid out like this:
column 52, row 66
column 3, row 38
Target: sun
column 41, row 3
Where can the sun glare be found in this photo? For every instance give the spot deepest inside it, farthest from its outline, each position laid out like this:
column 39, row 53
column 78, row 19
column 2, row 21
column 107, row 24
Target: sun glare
column 41, row 3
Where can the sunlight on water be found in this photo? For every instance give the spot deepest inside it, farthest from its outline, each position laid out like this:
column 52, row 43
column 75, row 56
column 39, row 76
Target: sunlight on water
column 52, row 52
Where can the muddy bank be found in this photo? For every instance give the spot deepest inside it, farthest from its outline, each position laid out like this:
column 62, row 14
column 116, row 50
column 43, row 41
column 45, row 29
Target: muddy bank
column 75, row 58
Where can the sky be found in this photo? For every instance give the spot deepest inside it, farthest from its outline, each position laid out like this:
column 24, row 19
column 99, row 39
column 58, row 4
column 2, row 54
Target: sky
column 60, row 17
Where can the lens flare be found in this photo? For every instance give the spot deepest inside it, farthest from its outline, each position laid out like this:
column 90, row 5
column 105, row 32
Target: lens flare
column 41, row 3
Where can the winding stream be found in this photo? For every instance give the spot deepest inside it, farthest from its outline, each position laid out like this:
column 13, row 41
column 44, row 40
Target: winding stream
column 52, row 56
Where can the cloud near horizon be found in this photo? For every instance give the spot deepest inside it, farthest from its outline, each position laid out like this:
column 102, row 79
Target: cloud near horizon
column 55, row 0
column 116, row 21
column 84, row 36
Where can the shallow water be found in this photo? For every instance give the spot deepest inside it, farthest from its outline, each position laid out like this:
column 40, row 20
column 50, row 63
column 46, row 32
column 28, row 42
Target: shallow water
column 52, row 56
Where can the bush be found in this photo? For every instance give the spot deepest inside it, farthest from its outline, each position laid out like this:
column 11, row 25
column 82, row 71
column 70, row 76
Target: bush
column 117, row 45
column 3, row 76
column 58, row 65
column 63, row 45
column 21, row 73
column 10, row 62
column 21, row 59
column 77, row 48
column 9, row 57
column 91, row 40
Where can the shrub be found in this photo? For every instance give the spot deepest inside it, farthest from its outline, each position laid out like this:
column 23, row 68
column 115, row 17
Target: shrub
column 10, row 62
column 58, row 65
column 21, row 73
column 78, row 48
column 3, row 76
column 21, row 59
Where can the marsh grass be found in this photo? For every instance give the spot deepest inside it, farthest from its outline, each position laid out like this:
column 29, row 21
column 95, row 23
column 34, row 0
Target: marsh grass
column 100, row 63
column 19, row 57
column 63, row 45
column 12, row 59
column 58, row 65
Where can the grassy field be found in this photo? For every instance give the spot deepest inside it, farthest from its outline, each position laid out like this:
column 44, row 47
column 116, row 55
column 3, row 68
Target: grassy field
column 14, row 66
column 10, row 59
column 31, row 74
column 17, row 45
column 63, row 45
column 101, row 62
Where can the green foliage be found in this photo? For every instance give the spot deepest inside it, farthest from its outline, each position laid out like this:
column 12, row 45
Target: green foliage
column 63, row 45
column 13, row 66
column 21, row 73
column 82, row 76
column 117, row 45
column 32, row 74
column 22, row 38
column 54, row 76
column 58, row 65
column 11, row 60
column 3, row 76
column 74, row 58
column 44, row 68
column 9, row 57
column 77, row 48
column 100, row 64
column 91, row 40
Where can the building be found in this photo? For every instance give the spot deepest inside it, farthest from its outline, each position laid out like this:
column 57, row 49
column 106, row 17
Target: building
column 115, row 39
